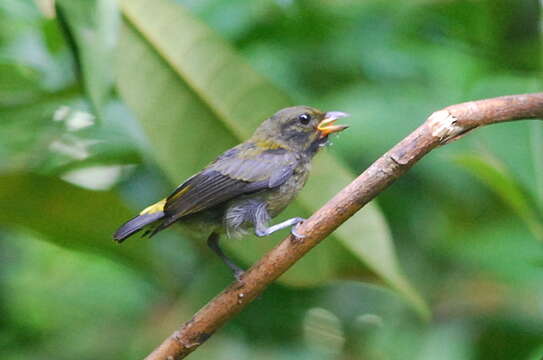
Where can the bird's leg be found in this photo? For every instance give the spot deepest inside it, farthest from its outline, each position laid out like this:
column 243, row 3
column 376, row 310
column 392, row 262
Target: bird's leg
column 213, row 243
column 265, row 231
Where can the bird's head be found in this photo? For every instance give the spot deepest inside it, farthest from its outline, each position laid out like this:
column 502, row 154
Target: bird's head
column 298, row 128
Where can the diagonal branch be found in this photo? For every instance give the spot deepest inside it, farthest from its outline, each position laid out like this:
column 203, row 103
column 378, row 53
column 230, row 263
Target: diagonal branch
column 440, row 128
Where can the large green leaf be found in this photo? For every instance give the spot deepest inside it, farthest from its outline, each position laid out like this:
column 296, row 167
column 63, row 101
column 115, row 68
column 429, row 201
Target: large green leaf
column 195, row 97
column 69, row 216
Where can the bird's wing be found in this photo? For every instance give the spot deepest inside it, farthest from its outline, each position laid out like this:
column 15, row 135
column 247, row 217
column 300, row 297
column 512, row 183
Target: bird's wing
column 241, row 170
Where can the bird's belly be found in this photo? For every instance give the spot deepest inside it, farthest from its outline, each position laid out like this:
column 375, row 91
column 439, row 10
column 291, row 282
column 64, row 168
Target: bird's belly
column 203, row 223
column 278, row 199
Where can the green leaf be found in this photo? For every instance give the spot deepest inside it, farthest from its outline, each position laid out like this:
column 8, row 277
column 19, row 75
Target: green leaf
column 18, row 83
column 495, row 175
column 195, row 97
column 91, row 28
column 501, row 250
column 536, row 354
column 537, row 151
column 24, row 149
column 69, row 216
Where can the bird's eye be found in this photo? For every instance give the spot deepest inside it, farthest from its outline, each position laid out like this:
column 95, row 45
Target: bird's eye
column 304, row 118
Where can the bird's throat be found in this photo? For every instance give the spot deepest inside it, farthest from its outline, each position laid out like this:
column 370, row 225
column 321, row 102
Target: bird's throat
column 316, row 145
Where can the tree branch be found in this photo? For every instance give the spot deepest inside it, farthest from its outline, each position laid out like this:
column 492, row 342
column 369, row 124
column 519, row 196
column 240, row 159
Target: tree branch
column 440, row 128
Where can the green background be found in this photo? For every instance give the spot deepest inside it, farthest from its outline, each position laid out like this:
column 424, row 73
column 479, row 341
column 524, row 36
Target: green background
column 106, row 105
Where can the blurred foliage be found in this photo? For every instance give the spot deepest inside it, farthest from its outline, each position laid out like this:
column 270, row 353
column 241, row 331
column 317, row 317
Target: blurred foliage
column 201, row 88
column 97, row 99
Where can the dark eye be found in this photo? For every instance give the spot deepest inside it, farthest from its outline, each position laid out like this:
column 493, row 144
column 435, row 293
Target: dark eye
column 304, row 118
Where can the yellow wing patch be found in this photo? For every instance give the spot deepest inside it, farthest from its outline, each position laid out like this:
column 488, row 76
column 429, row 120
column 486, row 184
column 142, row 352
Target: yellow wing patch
column 159, row 206
column 178, row 194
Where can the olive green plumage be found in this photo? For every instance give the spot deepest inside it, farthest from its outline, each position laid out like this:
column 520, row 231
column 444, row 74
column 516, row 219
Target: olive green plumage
column 247, row 185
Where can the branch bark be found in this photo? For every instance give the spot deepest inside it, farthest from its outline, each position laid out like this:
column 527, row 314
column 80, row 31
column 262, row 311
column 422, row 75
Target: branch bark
column 440, row 128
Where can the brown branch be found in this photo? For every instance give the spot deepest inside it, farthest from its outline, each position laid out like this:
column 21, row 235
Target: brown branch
column 440, row 128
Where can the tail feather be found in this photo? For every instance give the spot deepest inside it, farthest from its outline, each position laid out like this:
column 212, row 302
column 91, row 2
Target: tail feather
column 134, row 225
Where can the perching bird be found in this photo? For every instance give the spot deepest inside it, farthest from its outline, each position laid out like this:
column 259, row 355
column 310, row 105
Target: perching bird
column 247, row 185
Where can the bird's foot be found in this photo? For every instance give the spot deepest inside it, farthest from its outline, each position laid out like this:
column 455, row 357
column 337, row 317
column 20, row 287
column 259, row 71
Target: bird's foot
column 295, row 233
column 263, row 231
column 238, row 274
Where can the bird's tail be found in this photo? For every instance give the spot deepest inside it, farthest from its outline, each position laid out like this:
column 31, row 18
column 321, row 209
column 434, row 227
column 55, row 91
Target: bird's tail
column 148, row 216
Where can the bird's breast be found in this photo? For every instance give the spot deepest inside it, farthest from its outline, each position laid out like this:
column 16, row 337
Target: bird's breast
column 279, row 198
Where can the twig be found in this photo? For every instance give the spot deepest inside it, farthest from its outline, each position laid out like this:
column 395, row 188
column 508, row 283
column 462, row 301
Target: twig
column 440, row 128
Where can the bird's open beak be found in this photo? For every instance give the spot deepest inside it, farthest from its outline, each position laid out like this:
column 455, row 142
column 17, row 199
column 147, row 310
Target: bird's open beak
column 327, row 127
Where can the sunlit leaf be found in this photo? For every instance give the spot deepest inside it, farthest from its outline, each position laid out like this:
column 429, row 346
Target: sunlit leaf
column 21, row 148
column 195, row 97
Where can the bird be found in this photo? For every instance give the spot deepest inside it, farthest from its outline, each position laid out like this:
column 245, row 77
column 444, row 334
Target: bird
column 246, row 186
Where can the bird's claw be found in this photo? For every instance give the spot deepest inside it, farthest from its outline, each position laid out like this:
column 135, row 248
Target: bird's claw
column 238, row 274
column 295, row 233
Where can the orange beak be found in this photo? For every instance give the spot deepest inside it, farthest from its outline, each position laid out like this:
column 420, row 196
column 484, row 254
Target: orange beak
column 327, row 127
